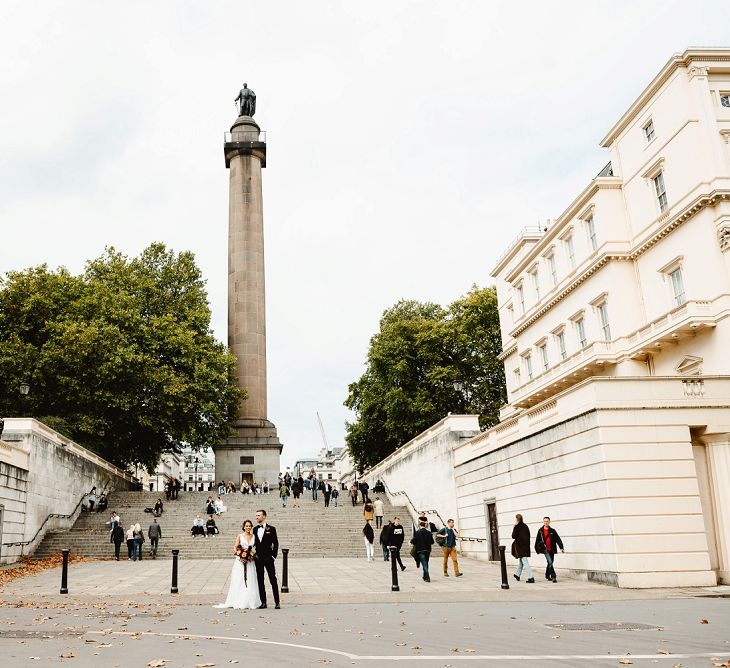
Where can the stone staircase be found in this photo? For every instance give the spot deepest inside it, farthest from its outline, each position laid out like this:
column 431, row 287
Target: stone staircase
column 309, row 531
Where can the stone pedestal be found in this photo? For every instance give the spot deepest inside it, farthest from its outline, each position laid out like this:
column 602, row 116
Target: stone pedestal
column 253, row 450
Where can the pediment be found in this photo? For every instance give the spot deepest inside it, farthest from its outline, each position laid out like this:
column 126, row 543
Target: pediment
column 689, row 366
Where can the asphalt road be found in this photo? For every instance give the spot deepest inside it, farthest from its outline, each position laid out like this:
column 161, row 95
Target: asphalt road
column 143, row 632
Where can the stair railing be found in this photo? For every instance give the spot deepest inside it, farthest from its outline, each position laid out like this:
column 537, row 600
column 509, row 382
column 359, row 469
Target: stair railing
column 23, row 543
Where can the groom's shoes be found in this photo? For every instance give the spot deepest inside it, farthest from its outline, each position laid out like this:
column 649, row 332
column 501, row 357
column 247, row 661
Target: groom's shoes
column 263, row 606
column 277, row 607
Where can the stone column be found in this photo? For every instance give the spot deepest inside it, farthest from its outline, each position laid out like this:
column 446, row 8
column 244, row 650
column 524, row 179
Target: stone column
column 718, row 460
column 254, row 447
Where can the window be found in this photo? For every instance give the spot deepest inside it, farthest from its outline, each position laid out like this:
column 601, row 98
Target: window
column 661, row 192
column 553, row 269
column 591, row 231
column 528, row 365
column 570, row 250
column 246, row 460
column 580, row 327
column 536, row 284
column 649, row 131
column 603, row 314
column 190, row 478
column 544, row 356
column 725, row 100
column 329, row 476
column 521, row 297
column 678, row 286
column 511, row 314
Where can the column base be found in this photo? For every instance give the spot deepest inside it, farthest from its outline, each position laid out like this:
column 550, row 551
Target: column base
column 251, row 452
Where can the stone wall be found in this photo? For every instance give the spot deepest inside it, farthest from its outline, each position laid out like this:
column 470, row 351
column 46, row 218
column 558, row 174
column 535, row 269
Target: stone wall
column 44, row 473
column 422, row 470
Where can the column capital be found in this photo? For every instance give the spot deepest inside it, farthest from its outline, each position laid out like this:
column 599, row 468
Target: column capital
column 716, row 436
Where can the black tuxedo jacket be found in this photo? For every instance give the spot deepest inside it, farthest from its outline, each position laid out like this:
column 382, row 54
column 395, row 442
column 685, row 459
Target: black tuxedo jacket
column 268, row 546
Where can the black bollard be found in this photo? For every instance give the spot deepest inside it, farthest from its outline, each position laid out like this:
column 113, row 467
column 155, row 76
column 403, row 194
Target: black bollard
column 503, row 565
column 173, row 588
column 285, row 573
column 64, row 572
column 393, row 569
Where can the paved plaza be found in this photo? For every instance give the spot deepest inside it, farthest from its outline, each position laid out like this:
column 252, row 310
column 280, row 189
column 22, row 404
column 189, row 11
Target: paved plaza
column 341, row 612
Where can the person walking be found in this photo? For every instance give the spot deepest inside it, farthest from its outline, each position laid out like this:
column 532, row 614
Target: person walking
column 92, row 499
column 395, row 539
column 315, row 488
column 117, row 538
column 335, row 495
column 364, row 487
column 378, row 505
column 327, row 492
column 368, row 512
column 130, row 542
column 353, row 494
column 284, row 494
column 296, row 490
column 138, row 541
column 154, row 533
column 521, row 548
column 450, row 533
column 422, row 541
column 547, row 542
column 369, row 535
column 384, row 535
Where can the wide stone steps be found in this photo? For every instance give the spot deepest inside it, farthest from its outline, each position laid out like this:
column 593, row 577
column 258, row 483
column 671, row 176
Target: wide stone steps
column 308, row 531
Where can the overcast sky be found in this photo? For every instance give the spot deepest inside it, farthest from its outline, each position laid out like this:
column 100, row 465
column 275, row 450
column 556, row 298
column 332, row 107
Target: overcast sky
column 408, row 144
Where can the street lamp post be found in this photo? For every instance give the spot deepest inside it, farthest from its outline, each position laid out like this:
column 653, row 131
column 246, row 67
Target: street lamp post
column 459, row 387
column 24, row 389
column 197, row 461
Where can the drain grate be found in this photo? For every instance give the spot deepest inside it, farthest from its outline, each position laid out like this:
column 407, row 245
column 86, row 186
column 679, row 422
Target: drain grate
column 40, row 634
column 605, row 626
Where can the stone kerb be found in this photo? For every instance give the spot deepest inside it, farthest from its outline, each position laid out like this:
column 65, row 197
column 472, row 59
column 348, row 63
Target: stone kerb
column 59, row 475
column 422, row 470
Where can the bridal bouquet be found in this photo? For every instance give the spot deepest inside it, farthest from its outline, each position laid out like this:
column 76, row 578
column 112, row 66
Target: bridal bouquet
column 246, row 555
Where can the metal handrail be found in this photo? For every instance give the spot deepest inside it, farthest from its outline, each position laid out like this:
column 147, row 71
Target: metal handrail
column 408, row 498
column 48, row 517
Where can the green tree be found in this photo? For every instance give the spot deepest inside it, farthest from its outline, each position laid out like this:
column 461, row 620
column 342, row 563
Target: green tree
column 121, row 358
column 412, row 364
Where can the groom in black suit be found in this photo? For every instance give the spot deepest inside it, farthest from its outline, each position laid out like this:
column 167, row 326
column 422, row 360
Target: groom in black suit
column 267, row 547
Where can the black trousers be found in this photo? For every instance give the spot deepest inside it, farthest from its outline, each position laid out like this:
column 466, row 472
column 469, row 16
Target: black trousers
column 397, row 557
column 116, row 549
column 327, row 499
column 270, row 567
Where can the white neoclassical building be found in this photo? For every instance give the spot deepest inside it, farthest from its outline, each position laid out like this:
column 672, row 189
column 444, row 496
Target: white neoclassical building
column 616, row 342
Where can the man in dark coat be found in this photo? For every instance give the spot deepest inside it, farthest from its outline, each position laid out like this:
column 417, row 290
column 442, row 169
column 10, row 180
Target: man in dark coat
column 547, row 542
column 422, row 541
column 267, row 548
column 384, row 538
column 117, row 538
column 521, row 548
column 395, row 539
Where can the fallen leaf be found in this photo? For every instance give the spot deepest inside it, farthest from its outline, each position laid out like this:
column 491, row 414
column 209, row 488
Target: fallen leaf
column 68, row 655
column 626, row 662
column 204, row 665
column 156, row 663
column 555, row 637
column 704, row 621
column 663, row 651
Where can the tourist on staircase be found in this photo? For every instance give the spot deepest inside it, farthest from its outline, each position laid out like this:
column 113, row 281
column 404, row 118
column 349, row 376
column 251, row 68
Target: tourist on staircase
column 335, row 495
column 353, row 494
column 130, row 542
column 378, row 505
column 368, row 512
column 198, row 528
column 284, row 494
column 154, row 533
column 138, row 541
column 117, row 538
column 327, row 492
column 211, row 528
column 384, row 538
column 159, row 508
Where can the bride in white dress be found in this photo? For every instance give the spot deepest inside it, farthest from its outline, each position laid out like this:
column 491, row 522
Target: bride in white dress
column 243, row 591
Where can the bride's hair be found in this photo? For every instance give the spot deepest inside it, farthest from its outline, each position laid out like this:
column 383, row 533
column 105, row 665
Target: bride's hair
column 245, row 522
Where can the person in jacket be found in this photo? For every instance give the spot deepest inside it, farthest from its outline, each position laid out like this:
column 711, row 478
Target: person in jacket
column 130, row 542
column 117, row 538
column 422, row 541
column 211, row 528
column 369, row 537
column 521, row 548
column 353, row 494
column 368, row 512
column 384, row 537
column 154, row 533
column 449, row 535
column 395, row 539
column 284, row 494
column 378, row 505
column 138, row 541
column 159, row 508
column 547, row 542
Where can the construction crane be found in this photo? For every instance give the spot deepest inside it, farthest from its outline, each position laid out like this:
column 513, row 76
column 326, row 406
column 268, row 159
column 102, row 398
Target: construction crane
column 324, row 438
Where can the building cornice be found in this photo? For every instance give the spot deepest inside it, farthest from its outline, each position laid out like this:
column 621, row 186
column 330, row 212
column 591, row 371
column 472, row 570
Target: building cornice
column 679, row 60
column 507, row 352
column 579, row 204
column 671, row 224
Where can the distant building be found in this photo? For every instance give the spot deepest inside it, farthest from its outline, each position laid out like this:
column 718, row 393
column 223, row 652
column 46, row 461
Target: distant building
column 334, row 465
column 199, row 474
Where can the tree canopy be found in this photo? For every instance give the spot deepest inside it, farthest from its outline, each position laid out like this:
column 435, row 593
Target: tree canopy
column 412, row 364
column 120, row 358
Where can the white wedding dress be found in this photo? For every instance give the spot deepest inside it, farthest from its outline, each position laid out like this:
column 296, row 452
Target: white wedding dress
column 243, row 592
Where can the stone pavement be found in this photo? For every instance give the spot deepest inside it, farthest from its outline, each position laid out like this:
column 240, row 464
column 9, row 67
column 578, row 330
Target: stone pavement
column 320, row 581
